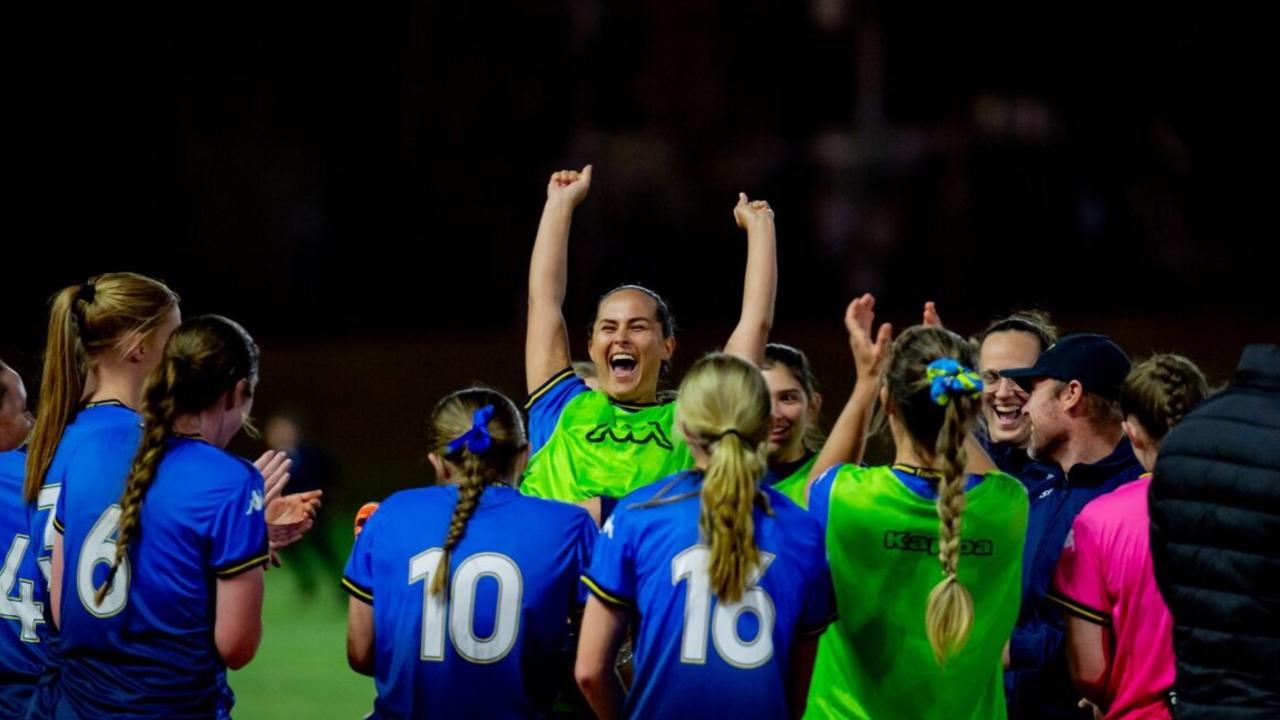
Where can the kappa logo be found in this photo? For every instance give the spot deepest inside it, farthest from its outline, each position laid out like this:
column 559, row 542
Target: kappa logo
column 650, row 432
column 908, row 541
column 255, row 503
column 608, row 527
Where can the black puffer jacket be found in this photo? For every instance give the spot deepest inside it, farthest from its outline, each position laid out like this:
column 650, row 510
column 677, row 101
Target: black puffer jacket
column 1215, row 541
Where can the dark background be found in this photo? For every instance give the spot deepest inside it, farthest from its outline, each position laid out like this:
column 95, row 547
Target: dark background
column 360, row 185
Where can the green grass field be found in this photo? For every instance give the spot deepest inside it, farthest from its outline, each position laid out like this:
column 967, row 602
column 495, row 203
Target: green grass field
column 300, row 671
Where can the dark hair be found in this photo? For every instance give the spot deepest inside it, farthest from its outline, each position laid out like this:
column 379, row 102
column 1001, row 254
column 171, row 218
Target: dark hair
column 452, row 418
column 794, row 360
column 1032, row 322
column 662, row 311
column 1161, row 390
column 204, row 358
column 939, row 432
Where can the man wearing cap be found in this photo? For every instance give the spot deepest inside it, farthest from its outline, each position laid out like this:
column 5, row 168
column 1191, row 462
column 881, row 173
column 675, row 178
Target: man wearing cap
column 1078, row 442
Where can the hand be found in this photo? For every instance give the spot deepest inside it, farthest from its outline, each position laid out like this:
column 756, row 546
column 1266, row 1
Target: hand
column 751, row 213
column 869, row 356
column 274, row 466
column 931, row 318
column 289, row 517
column 569, row 186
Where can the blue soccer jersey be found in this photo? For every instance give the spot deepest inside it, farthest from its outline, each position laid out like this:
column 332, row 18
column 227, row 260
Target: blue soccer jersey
column 496, row 647
column 87, row 422
column 21, row 654
column 147, row 650
column 694, row 656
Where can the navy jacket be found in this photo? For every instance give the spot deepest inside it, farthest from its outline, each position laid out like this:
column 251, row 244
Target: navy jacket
column 1215, row 545
column 1037, row 684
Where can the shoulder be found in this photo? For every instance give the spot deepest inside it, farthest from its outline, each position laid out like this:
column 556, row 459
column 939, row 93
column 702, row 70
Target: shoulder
column 798, row 522
column 557, row 390
column 201, row 460
column 13, row 466
column 96, row 446
column 1005, row 482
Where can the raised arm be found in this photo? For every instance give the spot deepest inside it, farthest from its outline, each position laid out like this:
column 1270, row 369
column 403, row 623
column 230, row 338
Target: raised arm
column 761, row 284
column 848, row 438
column 546, row 345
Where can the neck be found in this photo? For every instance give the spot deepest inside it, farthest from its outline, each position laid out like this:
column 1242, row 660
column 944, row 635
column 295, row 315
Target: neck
column 107, row 383
column 205, row 425
column 1088, row 447
column 905, row 449
column 787, row 456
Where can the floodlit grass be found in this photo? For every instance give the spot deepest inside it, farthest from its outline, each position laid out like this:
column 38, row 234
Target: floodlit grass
column 301, row 672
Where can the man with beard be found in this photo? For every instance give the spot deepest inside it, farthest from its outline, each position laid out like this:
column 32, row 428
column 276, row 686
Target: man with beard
column 1076, row 435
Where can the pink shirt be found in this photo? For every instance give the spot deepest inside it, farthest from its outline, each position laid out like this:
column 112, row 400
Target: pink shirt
column 1105, row 576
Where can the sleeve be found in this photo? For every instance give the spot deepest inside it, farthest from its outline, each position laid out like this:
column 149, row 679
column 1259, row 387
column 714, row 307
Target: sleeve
column 547, row 403
column 819, row 609
column 1079, row 585
column 239, row 529
column 611, row 575
column 59, row 514
column 820, row 495
column 357, row 577
column 585, row 534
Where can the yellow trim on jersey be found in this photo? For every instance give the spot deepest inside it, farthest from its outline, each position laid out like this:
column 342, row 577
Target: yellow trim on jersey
column 546, row 386
column 241, row 567
column 605, row 595
column 1082, row 611
column 358, row 591
column 59, row 526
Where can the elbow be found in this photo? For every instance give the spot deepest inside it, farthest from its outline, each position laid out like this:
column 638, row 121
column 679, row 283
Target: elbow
column 360, row 657
column 1089, row 680
column 589, row 676
column 236, row 650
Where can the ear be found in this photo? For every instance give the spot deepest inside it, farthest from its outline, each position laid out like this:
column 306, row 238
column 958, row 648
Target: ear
column 1072, row 396
column 1136, row 434
column 237, row 395
column 135, row 349
column 884, row 402
column 441, row 467
column 815, row 407
column 518, row 464
column 670, row 345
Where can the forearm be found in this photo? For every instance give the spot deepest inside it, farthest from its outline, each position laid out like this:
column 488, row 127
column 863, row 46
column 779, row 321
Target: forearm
column 546, row 338
column 604, row 693
column 759, row 293
column 848, row 439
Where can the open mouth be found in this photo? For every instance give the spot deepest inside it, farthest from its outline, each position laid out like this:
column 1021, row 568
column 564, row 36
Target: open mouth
column 778, row 433
column 1008, row 416
column 623, row 365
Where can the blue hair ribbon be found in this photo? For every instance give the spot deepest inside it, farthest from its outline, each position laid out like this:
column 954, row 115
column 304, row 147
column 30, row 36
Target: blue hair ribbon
column 948, row 379
column 477, row 439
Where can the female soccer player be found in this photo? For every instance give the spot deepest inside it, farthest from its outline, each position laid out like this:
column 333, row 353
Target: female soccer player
column 794, row 435
column 1119, row 630
column 21, row 661
column 912, row 642
column 157, row 565
column 591, row 443
column 479, row 629
column 726, row 581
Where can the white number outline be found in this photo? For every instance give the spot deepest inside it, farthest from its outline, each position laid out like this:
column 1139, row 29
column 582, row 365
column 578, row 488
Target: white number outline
column 103, row 551
column 441, row 616
column 23, row 607
column 691, row 565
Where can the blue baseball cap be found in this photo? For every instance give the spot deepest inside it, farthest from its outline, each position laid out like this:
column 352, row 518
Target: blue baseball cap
column 1097, row 363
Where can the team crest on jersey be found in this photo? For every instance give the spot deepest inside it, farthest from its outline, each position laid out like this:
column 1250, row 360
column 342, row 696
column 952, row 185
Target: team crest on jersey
column 255, row 503
column 650, row 432
column 908, row 541
column 608, row 527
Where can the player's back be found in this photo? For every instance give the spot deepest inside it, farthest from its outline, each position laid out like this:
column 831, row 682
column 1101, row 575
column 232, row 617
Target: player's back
column 495, row 646
column 696, row 656
column 21, row 654
column 147, row 649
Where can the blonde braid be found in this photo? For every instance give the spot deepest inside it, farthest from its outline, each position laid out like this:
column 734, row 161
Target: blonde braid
column 470, row 487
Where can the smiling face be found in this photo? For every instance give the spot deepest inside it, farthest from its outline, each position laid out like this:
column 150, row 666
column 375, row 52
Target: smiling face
column 627, row 346
column 791, row 414
column 1002, row 399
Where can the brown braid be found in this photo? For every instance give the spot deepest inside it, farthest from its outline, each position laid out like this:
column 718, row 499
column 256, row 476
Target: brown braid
column 204, row 359
column 452, row 418
column 158, row 414
column 1160, row 391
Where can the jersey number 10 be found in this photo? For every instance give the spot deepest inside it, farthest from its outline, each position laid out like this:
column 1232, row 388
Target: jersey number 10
column 690, row 566
column 460, row 606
